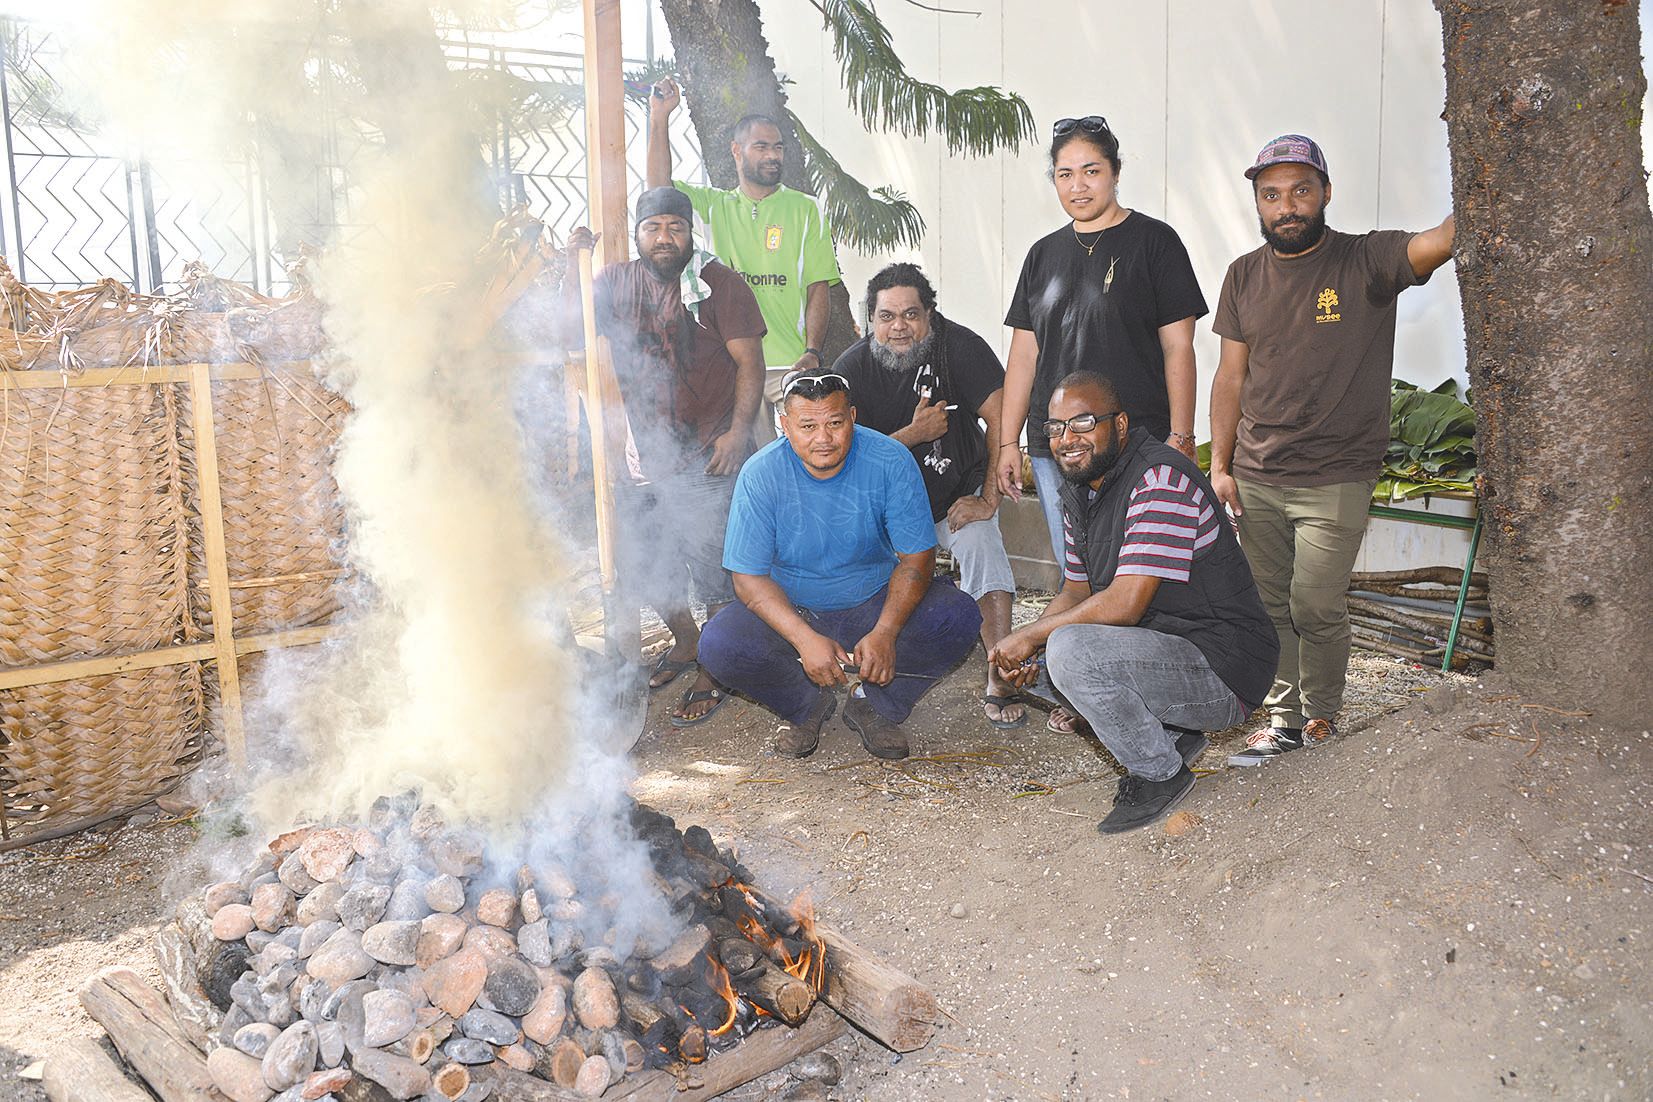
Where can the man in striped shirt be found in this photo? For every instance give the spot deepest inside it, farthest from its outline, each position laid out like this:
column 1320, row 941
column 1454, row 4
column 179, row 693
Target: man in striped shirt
column 1158, row 633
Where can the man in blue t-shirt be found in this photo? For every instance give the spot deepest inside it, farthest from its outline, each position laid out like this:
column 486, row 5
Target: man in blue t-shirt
column 833, row 554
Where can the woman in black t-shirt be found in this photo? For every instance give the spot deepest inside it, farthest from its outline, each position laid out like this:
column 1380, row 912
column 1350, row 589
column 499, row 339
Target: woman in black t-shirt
column 1111, row 292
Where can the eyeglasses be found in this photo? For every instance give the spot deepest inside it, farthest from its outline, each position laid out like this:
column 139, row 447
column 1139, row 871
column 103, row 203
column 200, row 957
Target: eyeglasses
column 1090, row 124
column 1085, row 422
column 813, row 386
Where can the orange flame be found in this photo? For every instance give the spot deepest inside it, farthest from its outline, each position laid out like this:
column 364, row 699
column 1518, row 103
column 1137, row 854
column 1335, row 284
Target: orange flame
column 810, row 963
column 718, row 979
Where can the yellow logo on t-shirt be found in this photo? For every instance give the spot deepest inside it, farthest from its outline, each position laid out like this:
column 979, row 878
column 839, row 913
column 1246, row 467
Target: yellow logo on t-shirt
column 772, row 238
column 1327, row 300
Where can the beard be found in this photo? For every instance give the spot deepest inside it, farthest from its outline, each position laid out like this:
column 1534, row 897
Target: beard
column 765, row 175
column 1099, row 463
column 1300, row 235
column 899, row 363
column 667, row 266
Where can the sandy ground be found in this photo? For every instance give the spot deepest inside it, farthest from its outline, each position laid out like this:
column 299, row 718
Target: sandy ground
column 1453, row 900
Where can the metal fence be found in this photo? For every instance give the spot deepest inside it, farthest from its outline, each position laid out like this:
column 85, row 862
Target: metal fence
column 79, row 208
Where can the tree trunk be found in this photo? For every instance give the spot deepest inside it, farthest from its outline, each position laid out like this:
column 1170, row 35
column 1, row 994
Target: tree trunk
column 1555, row 267
column 727, row 73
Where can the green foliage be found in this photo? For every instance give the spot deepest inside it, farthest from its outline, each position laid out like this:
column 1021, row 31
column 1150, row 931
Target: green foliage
column 1431, row 443
column 872, row 220
column 976, row 121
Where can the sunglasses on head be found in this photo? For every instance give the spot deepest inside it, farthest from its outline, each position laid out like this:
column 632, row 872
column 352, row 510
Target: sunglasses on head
column 813, row 386
column 1090, row 124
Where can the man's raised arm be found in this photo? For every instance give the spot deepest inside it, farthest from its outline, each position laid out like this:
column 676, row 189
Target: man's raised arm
column 662, row 103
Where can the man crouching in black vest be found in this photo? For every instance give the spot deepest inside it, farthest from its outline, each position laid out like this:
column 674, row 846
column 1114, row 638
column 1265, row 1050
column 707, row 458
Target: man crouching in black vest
column 1158, row 633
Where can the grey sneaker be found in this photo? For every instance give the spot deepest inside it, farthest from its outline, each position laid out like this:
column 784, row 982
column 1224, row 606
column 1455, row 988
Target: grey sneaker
column 799, row 740
column 882, row 738
column 1267, row 744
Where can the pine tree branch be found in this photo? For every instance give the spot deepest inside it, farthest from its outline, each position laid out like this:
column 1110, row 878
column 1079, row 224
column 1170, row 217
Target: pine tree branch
column 875, row 220
column 977, row 121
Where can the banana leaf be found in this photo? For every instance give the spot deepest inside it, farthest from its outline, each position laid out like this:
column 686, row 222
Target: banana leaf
column 1431, row 446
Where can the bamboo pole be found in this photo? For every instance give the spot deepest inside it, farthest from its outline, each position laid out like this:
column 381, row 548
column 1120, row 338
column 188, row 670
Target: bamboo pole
column 571, row 416
column 218, row 571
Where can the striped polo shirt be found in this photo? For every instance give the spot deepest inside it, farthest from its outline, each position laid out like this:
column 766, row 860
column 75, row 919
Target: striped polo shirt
column 1169, row 520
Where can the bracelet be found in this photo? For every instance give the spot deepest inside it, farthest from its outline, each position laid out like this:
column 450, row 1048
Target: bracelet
column 816, row 352
column 1010, row 444
column 1188, row 436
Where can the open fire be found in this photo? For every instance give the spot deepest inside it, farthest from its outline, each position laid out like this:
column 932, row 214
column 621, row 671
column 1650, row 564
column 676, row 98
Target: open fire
column 390, row 954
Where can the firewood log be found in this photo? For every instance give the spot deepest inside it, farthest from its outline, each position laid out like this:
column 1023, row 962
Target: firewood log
column 80, row 1071
column 143, row 1028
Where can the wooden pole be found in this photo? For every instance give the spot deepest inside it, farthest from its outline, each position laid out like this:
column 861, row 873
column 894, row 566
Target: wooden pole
column 606, row 186
column 596, row 415
column 218, row 571
column 605, row 131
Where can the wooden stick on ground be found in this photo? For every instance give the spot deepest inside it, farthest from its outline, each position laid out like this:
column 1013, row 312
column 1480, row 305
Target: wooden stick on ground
column 80, row 1071
column 143, row 1028
column 887, row 1004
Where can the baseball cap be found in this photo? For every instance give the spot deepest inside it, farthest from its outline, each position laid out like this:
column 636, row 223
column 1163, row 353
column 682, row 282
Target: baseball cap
column 1289, row 149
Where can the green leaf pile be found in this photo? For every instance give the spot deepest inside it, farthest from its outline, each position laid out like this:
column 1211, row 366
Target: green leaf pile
column 1431, row 443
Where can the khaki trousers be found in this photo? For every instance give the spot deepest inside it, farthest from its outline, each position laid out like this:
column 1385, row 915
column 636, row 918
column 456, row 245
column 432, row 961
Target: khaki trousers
column 1301, row 543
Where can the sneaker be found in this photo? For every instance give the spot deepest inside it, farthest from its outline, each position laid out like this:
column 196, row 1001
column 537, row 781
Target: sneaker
column 799, row 740
column 1267, row 744
column 1316, row 731
column 882, row 738
column 1141, row 801
column 1190, row 744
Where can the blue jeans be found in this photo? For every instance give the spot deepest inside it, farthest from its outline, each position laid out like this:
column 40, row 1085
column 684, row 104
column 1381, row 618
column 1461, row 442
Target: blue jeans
column 1047, row 480
column 742, row 652
column 1129, row 683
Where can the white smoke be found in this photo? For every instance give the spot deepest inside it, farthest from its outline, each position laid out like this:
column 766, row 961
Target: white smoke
column 458, row 678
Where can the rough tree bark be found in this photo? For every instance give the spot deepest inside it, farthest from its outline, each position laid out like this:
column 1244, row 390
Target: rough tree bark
column 723, row 59
column 1555, row 267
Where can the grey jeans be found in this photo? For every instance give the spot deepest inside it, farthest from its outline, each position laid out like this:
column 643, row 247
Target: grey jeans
column 1129, row 683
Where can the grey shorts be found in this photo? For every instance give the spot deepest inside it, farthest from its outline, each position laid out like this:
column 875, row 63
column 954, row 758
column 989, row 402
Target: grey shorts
column 978, row 548
column 669, row 542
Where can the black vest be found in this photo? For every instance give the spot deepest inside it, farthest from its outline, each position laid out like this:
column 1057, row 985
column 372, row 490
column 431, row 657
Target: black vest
column 1217, row 609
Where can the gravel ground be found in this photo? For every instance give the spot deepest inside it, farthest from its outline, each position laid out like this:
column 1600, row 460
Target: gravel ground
column 1450, row 901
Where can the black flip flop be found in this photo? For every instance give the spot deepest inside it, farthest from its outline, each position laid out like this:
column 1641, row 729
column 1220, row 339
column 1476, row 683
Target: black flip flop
column 1002, row 701
column 666, row 665
column 691, row 696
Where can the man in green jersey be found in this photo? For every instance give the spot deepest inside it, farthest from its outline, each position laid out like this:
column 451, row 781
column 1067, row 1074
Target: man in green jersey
column 776, row 238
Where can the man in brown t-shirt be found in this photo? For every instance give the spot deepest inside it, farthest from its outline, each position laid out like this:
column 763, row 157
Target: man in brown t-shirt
column 1300, row 419
column 687, row 339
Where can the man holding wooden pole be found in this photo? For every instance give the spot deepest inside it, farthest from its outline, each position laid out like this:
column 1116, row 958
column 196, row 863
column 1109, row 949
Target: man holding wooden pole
column 687, row 341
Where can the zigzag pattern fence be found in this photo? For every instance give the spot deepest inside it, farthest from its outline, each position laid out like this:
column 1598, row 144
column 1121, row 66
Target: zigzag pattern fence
column 78, row 208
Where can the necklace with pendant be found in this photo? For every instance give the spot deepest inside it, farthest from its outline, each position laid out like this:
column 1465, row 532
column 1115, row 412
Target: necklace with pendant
column 1091, row 248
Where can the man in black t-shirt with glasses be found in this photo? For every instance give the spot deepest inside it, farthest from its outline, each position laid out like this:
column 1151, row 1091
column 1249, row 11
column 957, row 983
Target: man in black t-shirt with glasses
column 924, row 380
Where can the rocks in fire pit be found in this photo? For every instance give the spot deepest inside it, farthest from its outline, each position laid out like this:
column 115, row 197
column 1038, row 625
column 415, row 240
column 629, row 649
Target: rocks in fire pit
column 385, row 957
column 392, row 942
